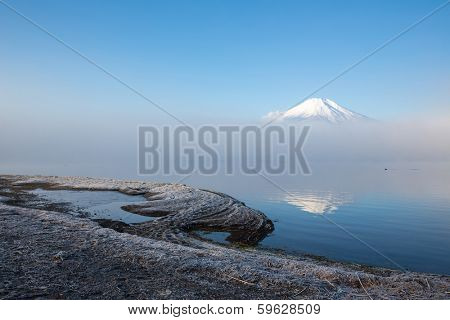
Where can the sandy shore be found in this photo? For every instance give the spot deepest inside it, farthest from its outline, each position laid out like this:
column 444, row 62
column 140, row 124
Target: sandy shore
column 47, row 252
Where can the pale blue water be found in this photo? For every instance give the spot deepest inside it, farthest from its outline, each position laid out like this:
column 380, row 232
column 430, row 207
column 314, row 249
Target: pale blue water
column 413, row 233
column 396, row 219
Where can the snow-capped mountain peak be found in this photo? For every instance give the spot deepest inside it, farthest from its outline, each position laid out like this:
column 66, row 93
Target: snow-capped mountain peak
column 316, row 109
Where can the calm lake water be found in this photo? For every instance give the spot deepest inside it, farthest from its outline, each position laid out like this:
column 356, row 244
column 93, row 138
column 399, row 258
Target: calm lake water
column 395, row 218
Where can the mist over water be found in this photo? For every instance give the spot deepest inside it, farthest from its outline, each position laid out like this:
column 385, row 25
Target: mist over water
column 407, row 140
column 386, row 183
column 110, row 149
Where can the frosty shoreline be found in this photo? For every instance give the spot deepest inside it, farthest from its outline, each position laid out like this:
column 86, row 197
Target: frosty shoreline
column 48, row 253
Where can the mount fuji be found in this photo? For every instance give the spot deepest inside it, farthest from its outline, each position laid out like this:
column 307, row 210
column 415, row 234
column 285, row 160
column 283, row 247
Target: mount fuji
column 316, row 109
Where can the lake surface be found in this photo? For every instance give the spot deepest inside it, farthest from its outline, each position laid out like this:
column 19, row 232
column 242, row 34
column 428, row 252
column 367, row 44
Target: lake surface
column 396, row 218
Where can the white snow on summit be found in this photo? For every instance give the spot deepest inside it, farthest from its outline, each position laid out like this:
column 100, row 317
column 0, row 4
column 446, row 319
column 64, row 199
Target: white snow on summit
column 316, row 109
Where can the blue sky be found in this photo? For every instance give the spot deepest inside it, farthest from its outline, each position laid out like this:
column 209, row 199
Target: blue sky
column 210, row 60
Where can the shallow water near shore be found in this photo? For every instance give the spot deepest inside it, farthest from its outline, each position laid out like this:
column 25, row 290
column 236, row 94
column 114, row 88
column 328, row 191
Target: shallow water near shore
column 97, row 204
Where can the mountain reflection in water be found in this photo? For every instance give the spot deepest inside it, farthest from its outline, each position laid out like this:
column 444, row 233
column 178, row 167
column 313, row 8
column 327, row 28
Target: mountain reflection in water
column 318, row 202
